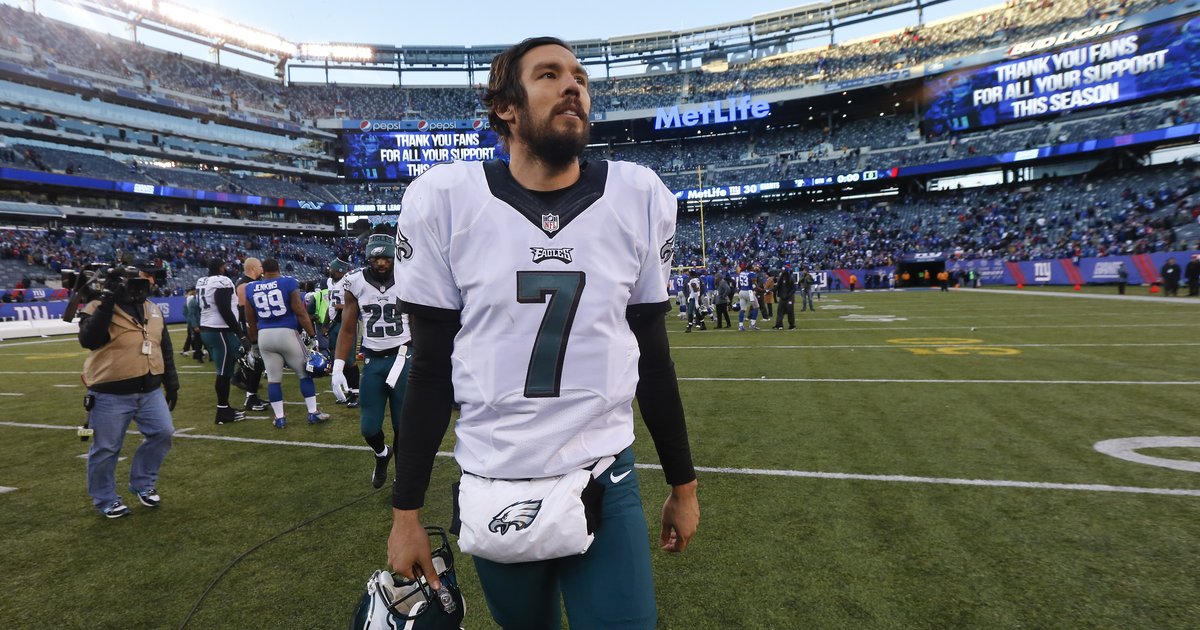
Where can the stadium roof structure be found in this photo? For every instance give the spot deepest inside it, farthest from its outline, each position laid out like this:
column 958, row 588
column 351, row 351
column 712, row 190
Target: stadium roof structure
column 758, row 36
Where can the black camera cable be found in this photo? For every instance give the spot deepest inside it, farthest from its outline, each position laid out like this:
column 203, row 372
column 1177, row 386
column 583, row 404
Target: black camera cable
column 221, row 574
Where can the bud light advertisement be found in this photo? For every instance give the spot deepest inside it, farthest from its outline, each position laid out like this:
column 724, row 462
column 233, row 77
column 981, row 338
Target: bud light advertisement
column 1122, row 67
column 403, row 155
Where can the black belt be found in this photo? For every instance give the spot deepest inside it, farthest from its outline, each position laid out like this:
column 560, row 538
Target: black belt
column 390, row 352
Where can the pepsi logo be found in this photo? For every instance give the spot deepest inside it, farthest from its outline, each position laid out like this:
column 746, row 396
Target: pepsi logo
column 364, row 125
column 477, row 124
column 422, row 125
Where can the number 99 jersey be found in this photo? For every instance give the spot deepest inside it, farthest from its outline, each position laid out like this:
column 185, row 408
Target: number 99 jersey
column 271, row 300
column 545, row 365
column 383, row 326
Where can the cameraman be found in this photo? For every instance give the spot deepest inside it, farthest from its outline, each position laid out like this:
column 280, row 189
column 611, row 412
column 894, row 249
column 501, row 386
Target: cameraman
column 131, row 358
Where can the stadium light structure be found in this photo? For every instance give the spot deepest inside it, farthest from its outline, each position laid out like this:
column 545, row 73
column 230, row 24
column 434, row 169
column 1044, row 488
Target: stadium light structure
column 336, row 52
column 200, row 22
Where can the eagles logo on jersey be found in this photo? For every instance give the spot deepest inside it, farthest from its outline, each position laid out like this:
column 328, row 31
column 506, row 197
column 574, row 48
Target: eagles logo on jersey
column 404, row 249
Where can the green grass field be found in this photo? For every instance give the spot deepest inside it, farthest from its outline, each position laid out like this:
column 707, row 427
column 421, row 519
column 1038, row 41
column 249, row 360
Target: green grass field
column 930, row 469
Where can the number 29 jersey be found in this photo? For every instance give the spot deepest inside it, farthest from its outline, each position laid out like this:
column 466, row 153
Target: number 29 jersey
column 383, row 326
column 545, row 365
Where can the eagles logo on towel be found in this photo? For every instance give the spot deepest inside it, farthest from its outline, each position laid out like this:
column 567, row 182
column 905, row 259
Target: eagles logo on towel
column 517, row 516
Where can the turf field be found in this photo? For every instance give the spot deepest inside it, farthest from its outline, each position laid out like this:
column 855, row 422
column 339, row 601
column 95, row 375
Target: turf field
column 901, row 460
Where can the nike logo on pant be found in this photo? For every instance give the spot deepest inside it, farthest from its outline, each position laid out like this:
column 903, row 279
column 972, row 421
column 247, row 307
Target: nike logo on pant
column 617, row 478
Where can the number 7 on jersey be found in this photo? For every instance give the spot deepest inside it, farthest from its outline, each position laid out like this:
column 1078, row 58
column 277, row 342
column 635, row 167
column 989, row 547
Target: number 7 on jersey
column 544, row 376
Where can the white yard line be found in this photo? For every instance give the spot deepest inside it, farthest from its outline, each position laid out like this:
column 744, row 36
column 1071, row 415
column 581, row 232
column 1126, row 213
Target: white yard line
column 996, row 381
column 980, row 343
column 951, row 381
column 758, row 472
column 6, row 489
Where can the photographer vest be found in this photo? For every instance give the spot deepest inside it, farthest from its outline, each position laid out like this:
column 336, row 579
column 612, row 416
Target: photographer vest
column 121, row 358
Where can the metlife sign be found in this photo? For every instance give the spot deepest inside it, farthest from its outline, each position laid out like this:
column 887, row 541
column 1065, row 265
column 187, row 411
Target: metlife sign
column 711, row 113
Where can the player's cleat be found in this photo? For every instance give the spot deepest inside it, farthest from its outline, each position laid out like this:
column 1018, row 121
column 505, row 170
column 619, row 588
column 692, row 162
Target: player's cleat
column 317, row 417
column 116, row 510
column 741, row 328
column 254, row 403
column 148, row 497
column 226, row 415
column 688, row 329
column 280, row 423
column 352, row 400
column 379, row 476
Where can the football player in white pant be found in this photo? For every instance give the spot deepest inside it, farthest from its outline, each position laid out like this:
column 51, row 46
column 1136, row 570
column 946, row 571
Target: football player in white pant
column 536, row 296
column 372, row 296
column 274, row 314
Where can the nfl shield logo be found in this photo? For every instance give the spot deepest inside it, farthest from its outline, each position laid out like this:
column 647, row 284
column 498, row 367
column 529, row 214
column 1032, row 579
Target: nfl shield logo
column 550, row 222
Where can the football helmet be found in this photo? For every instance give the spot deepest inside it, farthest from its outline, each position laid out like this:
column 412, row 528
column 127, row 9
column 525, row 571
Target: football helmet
column 244, row 370
column 394, row 602
column 317, row 364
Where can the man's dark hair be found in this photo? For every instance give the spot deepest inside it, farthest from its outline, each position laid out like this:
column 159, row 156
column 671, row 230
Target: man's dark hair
column 214, row 266
column 270, row 265
column 504, row 81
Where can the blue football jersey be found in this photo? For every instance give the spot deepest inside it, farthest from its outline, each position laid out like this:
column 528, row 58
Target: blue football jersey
column 272, row 302
column 745, row 280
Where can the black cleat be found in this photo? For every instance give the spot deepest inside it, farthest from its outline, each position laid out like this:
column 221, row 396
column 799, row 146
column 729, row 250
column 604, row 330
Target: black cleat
column 254, row 403
column 379, row 476
column 227, row 415
column 352, row 400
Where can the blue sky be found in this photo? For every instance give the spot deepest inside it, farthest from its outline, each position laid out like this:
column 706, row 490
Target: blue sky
column 458, row 22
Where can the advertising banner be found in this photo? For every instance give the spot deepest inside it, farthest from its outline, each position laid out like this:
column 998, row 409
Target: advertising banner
column 172, row 309
column 1110, row 69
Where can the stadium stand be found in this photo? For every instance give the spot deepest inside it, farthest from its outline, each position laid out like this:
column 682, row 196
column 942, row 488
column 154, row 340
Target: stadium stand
column 1117, row 208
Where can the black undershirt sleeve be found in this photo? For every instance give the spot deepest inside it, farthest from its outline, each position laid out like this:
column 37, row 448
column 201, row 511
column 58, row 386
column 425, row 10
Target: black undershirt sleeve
column 425, row 415
column 658, row 393
column 224, row 300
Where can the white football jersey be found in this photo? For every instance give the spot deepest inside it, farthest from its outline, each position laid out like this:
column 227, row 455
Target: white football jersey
column 206, row 290
column 335, row 296
column 545, row 365
column 383, row 325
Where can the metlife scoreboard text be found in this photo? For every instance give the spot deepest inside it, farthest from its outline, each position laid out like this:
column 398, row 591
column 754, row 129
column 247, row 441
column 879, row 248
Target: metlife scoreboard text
column 396, row 155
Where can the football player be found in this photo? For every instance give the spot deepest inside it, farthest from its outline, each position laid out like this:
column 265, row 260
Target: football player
column 252, row 269
column 372, row 296
column 275, row 313
column 747, row 301
column 219, row 328
column 338, row 269
column 536, row 295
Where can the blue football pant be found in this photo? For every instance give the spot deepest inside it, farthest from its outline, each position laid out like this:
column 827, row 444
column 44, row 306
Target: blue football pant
column 610, row 586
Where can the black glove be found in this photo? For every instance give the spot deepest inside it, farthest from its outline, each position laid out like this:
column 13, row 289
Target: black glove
column 172, row 398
